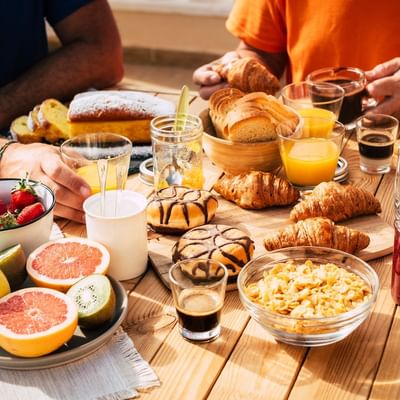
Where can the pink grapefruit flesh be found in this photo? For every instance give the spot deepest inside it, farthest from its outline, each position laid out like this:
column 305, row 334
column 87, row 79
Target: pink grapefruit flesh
column 36, row 321
column 61, row 263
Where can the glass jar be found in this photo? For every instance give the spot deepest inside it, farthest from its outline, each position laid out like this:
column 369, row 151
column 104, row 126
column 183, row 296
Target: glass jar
column 396, row 247
column 177, row 151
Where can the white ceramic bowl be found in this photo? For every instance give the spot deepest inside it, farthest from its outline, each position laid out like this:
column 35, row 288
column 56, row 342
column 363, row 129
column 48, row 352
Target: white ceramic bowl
column 303, row 331
column 34, row 233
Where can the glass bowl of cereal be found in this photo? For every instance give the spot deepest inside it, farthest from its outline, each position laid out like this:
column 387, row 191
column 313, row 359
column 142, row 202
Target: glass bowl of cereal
column 308, row 296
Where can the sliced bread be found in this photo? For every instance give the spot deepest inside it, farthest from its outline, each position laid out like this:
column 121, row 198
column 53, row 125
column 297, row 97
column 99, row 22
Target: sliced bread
column 20, row 130
column 52, row 116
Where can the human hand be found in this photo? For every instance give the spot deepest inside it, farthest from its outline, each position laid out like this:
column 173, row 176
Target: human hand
column 43, row 163
column 209, row 79
column 384, row 86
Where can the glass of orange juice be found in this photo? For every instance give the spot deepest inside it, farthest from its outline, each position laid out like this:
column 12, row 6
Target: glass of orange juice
column 314, row 99
column 95, row 156
column 310, row 155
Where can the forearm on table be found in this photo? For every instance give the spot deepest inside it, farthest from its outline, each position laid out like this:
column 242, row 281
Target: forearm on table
column 276, row 62
column 62, row 74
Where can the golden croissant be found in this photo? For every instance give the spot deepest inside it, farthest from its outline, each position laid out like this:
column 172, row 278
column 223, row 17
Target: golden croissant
column 318, row 232
column 248, row 75
column 256, row 190
column 336, row 202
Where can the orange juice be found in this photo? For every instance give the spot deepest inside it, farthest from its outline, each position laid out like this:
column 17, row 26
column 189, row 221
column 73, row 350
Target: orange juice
column 309, row 161
column 90, row 175
column 318, row 122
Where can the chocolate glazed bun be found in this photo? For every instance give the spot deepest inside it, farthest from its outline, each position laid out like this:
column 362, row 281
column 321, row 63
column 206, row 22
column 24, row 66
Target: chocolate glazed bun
column 176, row 209
column 230, row 246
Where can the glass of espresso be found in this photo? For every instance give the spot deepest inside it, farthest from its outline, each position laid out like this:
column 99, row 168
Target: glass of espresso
column 198, row 288
column 353, row 81
column 376, row 136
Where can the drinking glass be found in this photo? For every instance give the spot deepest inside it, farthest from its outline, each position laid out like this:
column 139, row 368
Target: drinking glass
column 353, row 81
column 97, row 155
column 177, row 151
column 310, row 156
column 314, row 99
column 198, row 288
column 376, row 136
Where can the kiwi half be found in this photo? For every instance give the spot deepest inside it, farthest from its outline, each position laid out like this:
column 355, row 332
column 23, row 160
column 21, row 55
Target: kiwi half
column 95, row 299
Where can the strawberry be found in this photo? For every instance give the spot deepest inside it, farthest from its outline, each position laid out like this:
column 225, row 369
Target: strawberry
column 7, row 220
column 22, row 195
column 30, row 213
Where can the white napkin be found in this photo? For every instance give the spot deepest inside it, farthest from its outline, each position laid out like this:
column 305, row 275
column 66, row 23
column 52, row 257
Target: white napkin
column 114, row 372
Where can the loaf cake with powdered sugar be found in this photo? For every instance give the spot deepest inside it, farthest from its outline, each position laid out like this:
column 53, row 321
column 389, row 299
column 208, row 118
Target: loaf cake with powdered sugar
column 123, row 112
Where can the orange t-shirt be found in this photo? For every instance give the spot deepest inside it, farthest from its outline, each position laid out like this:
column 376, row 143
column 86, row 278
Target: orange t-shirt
column 320, row 33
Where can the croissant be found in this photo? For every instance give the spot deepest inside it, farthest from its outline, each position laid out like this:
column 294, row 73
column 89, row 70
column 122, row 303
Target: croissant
column 255, row 190
column 318, row 232
column 336, row 202
column 248, row 75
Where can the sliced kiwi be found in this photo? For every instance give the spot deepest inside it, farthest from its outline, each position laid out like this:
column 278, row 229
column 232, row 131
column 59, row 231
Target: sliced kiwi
column 95, row 298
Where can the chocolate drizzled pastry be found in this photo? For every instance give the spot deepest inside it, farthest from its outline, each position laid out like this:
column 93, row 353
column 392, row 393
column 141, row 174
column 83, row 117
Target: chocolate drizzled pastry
column 230, row 246
column 177, row 209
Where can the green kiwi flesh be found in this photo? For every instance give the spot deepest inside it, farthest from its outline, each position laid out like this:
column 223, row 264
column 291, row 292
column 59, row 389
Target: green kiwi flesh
column 95, row 299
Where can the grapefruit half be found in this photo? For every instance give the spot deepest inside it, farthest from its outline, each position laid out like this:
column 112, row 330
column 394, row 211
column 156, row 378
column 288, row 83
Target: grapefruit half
column 61, row 263
column 36, row 321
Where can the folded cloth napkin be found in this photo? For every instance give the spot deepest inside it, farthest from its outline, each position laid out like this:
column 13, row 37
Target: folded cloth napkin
column 114, row 372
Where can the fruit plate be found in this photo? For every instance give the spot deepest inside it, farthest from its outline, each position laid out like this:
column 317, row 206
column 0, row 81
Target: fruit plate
column 83, row 343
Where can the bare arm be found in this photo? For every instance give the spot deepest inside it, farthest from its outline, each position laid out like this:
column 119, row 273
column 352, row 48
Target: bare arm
column 210, row 81
column 90, row 56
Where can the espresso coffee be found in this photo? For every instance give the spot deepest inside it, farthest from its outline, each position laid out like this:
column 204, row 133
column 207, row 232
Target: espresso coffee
column 376, row 145
column 199, row 310
column 352, row 101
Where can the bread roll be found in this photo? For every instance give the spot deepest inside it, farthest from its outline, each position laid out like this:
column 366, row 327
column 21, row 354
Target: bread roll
column 126, row 113
column 250, row 118
column 222, row 243
column 176, row 209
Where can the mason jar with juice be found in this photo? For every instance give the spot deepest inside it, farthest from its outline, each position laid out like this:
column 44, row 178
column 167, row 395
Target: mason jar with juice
column 177, row 151
column 310, row 156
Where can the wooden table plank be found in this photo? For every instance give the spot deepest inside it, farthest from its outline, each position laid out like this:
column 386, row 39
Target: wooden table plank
column 187, row 370
column 259, row 368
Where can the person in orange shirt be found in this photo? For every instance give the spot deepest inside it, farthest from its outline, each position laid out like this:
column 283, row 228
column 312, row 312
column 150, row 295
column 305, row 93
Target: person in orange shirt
column 302, row 36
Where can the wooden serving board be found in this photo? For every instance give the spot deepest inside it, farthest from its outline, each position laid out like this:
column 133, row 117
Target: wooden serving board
column 259, row 223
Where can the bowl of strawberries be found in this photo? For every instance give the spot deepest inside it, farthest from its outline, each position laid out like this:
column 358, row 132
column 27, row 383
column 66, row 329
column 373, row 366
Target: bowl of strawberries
column 26, row 213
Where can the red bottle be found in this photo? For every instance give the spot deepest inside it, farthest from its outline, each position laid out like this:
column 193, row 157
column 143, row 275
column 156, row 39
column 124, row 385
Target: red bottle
column 396, row 264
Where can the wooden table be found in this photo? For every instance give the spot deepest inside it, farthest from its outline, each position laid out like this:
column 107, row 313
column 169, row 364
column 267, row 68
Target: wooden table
column 245, row 362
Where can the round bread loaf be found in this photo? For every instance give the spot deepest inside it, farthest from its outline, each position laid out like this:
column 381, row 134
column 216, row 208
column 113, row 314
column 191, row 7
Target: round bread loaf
column 177, row 209
column 230, row 246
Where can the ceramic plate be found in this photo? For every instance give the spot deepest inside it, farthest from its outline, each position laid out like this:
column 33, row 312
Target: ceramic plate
column 81, row 344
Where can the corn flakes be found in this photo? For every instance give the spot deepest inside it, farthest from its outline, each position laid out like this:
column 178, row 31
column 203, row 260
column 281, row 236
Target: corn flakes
column 309, row 290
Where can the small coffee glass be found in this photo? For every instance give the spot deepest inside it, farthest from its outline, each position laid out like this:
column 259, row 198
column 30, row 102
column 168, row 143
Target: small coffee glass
column 353, row 82
column 376, row 137
column 310, row 156
column 198, row 288
column 317, row 99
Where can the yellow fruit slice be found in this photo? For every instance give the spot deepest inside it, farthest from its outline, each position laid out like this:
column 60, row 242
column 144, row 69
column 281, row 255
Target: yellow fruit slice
column 61, row 263
column 36, row 321
column 12, row 264
column 4, row 285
